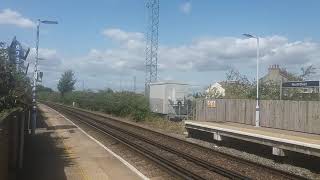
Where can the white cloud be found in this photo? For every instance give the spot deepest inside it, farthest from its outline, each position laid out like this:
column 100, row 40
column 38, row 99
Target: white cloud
column 50, row 61
column 8, row 16
column 186, row 7
column 204, row 55
column 295, row 53
column 130, row 40
column 222, row 53
column 120, row 35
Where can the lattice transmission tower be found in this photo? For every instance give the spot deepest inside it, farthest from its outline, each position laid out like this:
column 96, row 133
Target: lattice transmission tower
column 152, row 42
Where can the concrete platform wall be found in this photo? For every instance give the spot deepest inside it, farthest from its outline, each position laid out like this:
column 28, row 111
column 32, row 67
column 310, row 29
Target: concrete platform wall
column 302, row 116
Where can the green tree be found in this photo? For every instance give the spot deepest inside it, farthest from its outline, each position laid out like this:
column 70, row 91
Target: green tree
column 15, row 89
column 269, row 90
column 308, row 71
column 66, row 82
column 41, row 88
column 124, row 104
column 238, row 85
column 297, row 93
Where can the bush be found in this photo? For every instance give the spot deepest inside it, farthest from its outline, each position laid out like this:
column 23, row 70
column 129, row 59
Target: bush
column 124, row 104
column 15, row 87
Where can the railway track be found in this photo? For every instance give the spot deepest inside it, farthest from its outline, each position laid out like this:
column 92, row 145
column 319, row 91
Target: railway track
column 175, row 155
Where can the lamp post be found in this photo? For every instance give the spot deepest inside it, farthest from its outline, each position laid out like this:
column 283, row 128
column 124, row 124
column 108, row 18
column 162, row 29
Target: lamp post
column 35, row 75
column 257, row 123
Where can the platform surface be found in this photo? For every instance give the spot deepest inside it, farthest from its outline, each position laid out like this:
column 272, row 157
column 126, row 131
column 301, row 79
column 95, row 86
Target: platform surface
column 60, row 150
column 297, row 139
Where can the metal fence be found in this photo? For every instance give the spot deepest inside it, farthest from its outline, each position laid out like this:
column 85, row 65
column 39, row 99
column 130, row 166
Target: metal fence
column 303, row 116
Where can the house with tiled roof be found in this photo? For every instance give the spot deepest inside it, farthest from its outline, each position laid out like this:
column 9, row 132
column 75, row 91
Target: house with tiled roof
column 275, row 74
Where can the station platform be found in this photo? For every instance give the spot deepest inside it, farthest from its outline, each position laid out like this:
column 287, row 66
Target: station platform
column 61, row 150
column 281, row 141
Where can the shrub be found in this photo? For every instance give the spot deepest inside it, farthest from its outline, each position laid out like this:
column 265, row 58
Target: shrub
column 122, row 104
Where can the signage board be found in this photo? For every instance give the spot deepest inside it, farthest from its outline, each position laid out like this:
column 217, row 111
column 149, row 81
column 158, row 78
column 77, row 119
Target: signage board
column 211, row 104
column 297, row 84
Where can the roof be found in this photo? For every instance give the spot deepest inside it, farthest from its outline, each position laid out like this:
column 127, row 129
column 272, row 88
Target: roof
column 167, row 82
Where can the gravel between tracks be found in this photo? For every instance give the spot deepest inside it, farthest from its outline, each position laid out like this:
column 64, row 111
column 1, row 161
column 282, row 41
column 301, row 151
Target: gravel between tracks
column 144, row 165
column 304, row 172
column 174, row 158
column 206, row 155
column 252, row 157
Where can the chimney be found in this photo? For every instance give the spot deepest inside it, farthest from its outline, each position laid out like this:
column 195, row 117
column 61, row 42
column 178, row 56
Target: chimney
column 274, row 67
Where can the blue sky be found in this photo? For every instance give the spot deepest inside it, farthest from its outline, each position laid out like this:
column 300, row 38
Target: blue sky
column 103, row 40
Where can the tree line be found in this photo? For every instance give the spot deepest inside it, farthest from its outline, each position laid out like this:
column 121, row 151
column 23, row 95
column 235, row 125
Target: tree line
column 238, row 86
column 124, row 104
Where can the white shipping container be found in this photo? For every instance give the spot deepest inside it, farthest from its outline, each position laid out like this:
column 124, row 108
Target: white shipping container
column 164, row 94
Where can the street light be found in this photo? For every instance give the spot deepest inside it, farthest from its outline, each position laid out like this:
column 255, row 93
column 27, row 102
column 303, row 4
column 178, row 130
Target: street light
column 48, row 22
column 35, row 75
column 257, row 100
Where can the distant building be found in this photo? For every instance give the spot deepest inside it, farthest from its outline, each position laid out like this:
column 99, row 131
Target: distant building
column 310, row 90
column 215, row 90
column 166, row 96
column 278, row 75
column 275, row 74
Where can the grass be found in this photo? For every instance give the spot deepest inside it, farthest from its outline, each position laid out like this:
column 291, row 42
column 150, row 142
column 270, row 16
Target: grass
column 125, row 105
column 164, row 125
column 154, row 122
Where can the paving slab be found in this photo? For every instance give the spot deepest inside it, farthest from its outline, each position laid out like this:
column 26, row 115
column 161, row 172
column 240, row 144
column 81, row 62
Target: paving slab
column 60, row 150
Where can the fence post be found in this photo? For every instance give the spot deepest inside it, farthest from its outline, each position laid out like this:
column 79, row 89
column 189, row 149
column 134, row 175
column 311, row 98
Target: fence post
column 21, row 138
column 28, row 120
column 281, row 90
column 13, row 138
column 4, row 149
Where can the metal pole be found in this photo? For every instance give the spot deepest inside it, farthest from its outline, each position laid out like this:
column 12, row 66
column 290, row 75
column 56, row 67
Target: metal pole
column 29, row 119
column 35, row 74
column 280, row 89
column 179, row 104
column 134, row 83
column 257, row 106
column 21, row 140
column 187, row 110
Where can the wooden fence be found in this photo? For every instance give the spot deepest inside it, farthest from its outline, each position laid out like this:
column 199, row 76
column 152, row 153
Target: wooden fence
column 303, row 116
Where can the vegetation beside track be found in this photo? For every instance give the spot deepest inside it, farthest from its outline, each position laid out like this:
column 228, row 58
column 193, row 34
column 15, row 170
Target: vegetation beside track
column 15, row 87
column 164, row 125
column 128, row 105
column 123, row 104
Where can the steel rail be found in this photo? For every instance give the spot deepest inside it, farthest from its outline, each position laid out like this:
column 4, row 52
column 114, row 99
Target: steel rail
column 198, row 161
column 172, row 167
column 284, row 174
